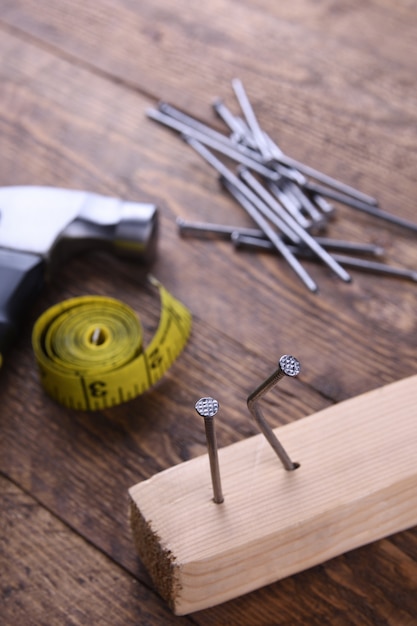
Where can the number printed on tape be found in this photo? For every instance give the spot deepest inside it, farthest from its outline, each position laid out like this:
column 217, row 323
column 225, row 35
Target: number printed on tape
column 89, row 349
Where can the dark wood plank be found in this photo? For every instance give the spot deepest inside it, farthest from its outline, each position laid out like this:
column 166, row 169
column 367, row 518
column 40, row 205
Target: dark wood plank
column 323, row 77
column 50, row 576
column 274, row 313
column 334, row 83
column 106, row 453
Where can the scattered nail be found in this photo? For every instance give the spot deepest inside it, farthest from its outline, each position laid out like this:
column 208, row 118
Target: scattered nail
column 289, row 204
column 302, row 234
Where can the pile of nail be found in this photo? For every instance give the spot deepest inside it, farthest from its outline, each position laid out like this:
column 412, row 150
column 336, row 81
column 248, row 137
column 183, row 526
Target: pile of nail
column 287, row 200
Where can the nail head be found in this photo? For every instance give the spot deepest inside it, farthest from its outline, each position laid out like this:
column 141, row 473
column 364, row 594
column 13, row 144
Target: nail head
column 207, row 407
column 289, row 365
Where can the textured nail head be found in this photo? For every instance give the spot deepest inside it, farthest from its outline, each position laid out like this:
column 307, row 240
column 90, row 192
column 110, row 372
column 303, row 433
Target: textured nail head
column 207, row 407
column 289, row 365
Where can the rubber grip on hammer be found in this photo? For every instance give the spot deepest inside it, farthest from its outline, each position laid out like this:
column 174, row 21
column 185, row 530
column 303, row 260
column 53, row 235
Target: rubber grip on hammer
column 21, row 279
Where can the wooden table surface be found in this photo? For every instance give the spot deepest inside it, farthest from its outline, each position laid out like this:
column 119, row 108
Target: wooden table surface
column 335, row 84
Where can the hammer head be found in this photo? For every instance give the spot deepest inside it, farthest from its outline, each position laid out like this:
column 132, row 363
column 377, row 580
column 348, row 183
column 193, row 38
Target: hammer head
column 56, row 223
column 41, row 226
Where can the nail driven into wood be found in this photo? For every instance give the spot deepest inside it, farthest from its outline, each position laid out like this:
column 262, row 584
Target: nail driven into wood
column 287, row 366
column 207, row 408
column 362, row 487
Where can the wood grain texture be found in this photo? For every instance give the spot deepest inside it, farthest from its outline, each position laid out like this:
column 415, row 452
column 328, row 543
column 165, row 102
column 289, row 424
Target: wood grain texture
column 334, row 83
column 50, row 576
column 54, row 136
column 357, row 483
column 334, row 49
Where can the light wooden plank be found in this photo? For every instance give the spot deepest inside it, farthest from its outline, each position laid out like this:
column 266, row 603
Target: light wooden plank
column 357, row 483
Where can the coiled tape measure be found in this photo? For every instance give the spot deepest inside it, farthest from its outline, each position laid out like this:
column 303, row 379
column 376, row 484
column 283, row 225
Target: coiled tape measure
column 89, row 349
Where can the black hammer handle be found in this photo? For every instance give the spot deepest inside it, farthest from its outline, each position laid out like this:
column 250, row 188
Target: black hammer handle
column 21, row 279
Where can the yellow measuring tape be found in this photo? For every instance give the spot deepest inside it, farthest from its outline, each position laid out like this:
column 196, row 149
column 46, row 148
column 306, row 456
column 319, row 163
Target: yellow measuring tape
column 89, row 349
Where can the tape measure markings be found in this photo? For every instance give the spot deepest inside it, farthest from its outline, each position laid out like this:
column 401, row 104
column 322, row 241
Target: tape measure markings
column 89, row 349
column 86, row 398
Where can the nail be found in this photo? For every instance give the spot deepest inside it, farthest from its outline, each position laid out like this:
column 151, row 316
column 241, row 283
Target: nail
column 261, row 210
column 242, row 240
column 289, row 202
column 285, row 170
column 224, row 145
column 234, row 124
column 287, row 366
column 352, row 247
column 195, row 125
column 245, row 196
column 293, row 224
column 361, row 206
column 324, row 206
column 207, row 408
column 250, row 237
column 257, row 133
column 246, row 242
column 266, row 148
column 254, row 239
column 221, row 143
column 344, row 189
column 273, row 238
column 255, row 206
column 191, row 122
column 271, row 153
column 283, row 164
column 256, row 243
column 378, row 268
column 205, row 230
column 242, row 134
column 305, row 202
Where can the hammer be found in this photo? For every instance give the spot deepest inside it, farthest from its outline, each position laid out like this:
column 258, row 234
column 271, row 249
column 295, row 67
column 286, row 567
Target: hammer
column 41, row 227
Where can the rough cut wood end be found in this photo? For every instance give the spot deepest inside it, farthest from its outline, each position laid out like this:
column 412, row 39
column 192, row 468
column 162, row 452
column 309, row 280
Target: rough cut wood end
column 357, row 483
